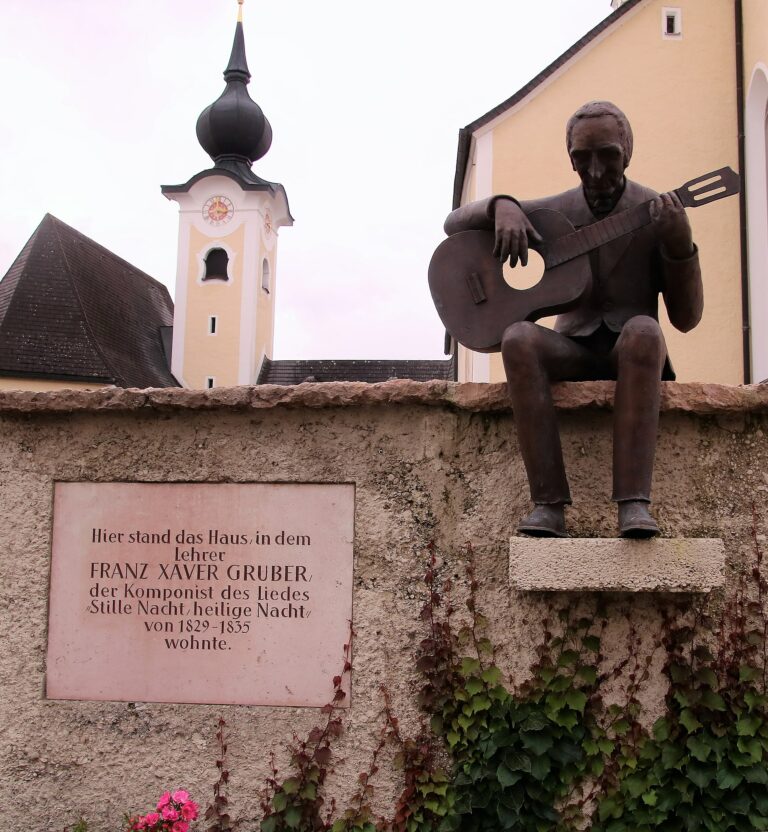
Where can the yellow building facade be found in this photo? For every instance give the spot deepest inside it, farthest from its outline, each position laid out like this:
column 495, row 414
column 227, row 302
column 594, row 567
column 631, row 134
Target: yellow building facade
column 674, row 70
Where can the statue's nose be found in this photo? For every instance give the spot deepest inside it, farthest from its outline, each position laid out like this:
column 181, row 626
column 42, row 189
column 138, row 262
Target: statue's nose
column 595, row 168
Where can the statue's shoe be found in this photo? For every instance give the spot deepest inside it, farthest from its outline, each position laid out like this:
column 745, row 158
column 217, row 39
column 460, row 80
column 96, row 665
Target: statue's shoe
column 635, row 520
column 544, row 521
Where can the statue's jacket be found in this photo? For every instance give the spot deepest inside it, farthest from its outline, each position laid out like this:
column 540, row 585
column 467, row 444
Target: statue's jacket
column 628, row 273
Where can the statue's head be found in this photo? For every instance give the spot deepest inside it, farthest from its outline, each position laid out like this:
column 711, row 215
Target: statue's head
column 599, row 141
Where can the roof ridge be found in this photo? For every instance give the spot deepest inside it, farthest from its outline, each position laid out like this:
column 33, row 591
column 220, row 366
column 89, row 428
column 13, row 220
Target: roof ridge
column 32, row 242
column 85, row 238
column 89, row 329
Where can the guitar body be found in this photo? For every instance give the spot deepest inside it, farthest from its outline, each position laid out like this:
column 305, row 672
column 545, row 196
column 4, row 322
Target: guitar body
column 474, row 301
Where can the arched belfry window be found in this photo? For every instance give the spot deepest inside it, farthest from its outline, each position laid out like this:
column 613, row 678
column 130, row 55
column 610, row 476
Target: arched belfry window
column 265, row 276
column 216, row 262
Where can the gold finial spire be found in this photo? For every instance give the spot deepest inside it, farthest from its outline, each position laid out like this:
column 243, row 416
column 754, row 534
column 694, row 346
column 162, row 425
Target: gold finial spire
column 240, row 10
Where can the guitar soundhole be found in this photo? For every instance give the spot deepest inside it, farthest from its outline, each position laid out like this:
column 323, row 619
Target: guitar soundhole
column 525, row 277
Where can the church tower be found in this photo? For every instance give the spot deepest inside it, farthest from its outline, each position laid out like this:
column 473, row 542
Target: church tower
column 229, row 217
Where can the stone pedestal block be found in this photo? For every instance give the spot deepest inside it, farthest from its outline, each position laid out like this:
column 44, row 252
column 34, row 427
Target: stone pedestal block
column 616, row 565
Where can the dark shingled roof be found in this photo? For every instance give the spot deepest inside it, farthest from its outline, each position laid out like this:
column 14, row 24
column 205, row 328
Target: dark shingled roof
column 70, row 309
column 465, row 133
column 295, row 372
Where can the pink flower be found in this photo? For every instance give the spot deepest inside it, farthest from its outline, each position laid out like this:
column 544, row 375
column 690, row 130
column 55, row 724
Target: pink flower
column 189, row 810
column 181, row 796
column 164, row 800
column 180, row 826
column 169, row 813
column 152, row 818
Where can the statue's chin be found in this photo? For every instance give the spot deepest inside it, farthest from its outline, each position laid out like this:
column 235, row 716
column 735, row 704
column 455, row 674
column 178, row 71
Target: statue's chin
column 602, row 203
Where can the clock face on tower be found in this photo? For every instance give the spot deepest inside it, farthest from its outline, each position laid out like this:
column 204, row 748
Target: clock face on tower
column 218, row 210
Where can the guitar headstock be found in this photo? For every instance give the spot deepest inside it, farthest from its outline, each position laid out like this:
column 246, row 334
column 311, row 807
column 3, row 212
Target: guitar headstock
column 708, row 188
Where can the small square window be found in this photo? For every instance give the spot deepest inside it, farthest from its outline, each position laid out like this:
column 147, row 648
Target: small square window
column 671, row 23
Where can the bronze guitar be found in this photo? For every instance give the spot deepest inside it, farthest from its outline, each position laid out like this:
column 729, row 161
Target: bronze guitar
column 476, row 304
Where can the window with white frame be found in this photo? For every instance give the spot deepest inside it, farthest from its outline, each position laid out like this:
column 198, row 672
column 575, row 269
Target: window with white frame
column 213, row 324
column 210, row 382
column 671, row 22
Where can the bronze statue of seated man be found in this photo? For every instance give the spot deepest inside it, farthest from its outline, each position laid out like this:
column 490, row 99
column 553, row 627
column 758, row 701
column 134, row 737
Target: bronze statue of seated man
column 613, row 333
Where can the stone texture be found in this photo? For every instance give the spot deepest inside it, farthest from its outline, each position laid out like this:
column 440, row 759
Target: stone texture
column 616, row 565
column 696, row 398
column 430, row 462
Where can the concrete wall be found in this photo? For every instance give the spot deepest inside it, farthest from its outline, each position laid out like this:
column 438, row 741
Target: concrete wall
column 434, row 461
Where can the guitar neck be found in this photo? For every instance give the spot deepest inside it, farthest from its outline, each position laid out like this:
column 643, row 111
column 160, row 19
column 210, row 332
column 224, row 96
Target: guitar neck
column 598, row 234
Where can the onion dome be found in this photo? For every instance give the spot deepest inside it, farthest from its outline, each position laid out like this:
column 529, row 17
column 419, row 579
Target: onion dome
column 234, row 129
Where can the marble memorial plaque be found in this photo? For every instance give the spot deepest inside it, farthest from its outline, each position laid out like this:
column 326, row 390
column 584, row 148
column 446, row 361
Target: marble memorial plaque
column 195, row 592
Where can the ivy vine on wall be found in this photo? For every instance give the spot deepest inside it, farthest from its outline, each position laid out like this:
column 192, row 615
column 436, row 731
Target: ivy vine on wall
column 551, row 755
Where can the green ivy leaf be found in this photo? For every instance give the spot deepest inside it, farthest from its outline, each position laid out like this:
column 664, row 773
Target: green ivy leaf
column 308, row 792
column 540, row 767
column 506, row 776
column 538, row 741
column 605, row 745
column 650, row 798
column 608, row 808
column 706, row 676
column 699, row 747
column 291, row 785
column 568, row 658
column 576, row 700
column 672, row 757
column 269, row 824
column 517, row 761
column 620, row 727
column 748, row 674
column 469, row 667
column 492, row 675
column 689, row 721
column 635, row 785
column 756, row 774
column 473, row 685
column 567, row 719
column 747, row 726
column 728, row 778
column 661, row 729
column 754, row 699
column 507, row 817
column 292, row 817
column 535, row 722
column 679, row 673
column 738, row 803
column 752, row 747
column 592, row 643
column 279, row 801
column 701, row 775
column 588, row 674
column 712, row 700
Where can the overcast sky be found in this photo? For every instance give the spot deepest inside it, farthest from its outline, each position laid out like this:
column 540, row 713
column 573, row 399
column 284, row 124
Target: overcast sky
column 99, row 102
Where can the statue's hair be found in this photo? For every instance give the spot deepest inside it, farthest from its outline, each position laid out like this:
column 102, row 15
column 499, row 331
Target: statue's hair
column 595, row 109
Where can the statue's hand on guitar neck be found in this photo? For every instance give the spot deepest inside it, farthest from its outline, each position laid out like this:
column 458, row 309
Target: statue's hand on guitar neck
column 514, row 233
column 674, row 229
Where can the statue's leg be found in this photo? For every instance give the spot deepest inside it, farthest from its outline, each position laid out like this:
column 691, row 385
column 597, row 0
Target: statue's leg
column 534, row 357
column 638, row 356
